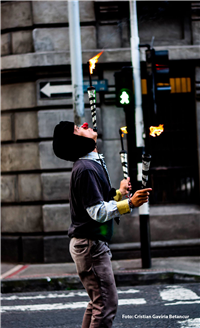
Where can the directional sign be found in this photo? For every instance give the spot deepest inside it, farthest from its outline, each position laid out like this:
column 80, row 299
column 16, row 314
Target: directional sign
column 59, row 91
column 55, row 89
column 50, row 90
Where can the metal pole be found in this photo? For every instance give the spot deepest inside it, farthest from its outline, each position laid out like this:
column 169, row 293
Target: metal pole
column 76, row 61
column 139, row 126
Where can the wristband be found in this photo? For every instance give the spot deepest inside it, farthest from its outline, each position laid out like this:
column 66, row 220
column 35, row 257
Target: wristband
column 123, row 206
column 130, row 203
column 118, row 196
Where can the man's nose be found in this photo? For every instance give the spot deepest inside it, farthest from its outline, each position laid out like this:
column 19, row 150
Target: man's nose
column 85, row 126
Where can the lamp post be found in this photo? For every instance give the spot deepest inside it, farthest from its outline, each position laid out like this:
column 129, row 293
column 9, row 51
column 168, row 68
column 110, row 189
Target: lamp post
column 139, row 127
column 76, row 61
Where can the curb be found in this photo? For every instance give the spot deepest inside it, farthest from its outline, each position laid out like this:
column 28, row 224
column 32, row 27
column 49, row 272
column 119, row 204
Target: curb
column 122, row 278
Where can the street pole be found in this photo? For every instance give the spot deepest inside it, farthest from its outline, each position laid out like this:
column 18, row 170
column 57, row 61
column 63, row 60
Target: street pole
column 76, row 61
column 139, row 126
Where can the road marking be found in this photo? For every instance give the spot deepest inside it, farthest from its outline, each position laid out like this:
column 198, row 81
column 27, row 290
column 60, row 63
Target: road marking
column 62, row 306
column 45, row 307
column 13, row 271
column 172, row 293
column 71, row 294
column 37, row 297
column 190, row 323
column 129, row 291
column 132, row 301
column 183, row 302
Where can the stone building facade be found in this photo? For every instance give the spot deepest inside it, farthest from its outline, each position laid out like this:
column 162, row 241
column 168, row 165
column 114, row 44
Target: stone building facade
column 34, row 183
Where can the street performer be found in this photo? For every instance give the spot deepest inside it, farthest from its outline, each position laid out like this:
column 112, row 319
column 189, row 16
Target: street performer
column 94, row 205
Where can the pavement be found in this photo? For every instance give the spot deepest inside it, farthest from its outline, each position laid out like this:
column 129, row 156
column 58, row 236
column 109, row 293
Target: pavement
column 17, row 278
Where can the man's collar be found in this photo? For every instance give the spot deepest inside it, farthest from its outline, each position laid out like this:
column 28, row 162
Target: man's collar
column 93, row 155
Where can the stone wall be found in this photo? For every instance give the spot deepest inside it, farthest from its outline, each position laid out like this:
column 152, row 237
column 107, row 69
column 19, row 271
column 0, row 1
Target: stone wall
column 34, row 182
column 18, row 15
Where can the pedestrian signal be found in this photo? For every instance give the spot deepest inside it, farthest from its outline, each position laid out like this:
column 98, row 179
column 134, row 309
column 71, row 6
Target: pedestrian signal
column 125, row 97
column 124, row 87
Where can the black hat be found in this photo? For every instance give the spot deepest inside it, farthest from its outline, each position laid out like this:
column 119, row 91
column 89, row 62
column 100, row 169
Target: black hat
column 67, row 145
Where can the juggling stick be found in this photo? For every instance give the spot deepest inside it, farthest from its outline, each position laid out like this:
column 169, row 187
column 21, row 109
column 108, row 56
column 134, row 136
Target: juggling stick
column 146, row 161
column 123, row 155
column 92, row 99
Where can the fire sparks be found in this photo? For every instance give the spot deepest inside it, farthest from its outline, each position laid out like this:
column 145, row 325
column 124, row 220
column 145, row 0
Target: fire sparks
column 93, row 61
column 155, row 131
column 124, row 130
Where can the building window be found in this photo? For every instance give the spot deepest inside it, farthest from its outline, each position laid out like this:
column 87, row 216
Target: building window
column 112, row 23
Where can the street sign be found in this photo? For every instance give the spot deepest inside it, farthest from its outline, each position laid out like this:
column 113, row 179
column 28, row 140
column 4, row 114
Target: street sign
column 57, row 91
column 54, row 91
column 100, row 85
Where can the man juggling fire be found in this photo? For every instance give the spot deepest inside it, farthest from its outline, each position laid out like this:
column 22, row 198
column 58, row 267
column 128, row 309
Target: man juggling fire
column 94, row 205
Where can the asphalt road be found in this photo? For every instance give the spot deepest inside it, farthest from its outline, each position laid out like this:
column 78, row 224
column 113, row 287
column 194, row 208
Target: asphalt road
column 158, row 306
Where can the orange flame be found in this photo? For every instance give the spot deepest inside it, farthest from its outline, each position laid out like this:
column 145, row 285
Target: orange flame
column 124, row 130
column 93, row 61
column 155, row 131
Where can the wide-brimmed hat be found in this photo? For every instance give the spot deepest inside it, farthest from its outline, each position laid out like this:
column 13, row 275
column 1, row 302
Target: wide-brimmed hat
column 67, row 145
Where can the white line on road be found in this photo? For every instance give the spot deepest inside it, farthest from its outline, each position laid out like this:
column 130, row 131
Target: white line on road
column 190, row 323
column 129, row 291
column 38, row 297
column 183, row 302
column 62, row 306
column 172, row 293
column 44, row 307
column 132, row 301
column 71, row 294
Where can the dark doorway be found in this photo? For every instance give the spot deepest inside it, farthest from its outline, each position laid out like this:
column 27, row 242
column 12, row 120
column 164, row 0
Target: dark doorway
column 174, row 166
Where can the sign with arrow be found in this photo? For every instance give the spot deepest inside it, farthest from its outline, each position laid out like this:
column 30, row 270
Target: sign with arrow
column 54, row 91
column 58, row 89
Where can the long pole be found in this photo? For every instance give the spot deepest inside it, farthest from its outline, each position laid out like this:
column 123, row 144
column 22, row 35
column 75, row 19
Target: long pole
column 139, row 126
column 76, row 61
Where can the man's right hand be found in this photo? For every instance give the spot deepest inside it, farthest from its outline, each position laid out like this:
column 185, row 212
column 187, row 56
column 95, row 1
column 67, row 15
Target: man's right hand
column 140, row 197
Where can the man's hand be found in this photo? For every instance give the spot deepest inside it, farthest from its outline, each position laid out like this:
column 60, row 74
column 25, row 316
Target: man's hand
column 125, row 186
column 140, row 197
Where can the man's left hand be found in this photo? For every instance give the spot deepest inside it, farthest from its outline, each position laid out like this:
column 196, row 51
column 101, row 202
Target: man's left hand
column 125, row 186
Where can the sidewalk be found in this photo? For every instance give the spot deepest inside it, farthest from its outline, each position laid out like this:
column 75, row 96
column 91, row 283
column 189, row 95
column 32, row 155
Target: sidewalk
column 61, row 276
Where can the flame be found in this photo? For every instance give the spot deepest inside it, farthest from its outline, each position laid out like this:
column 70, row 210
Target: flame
column 155, row 131
column 93, row 61
column 124, row 130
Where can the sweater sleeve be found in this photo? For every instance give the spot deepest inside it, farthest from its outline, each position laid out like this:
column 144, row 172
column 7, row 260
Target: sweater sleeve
column 105, row 211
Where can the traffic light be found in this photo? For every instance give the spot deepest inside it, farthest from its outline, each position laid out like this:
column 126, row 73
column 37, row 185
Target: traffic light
column 124, row 87
column 157, row 65
column 161, row 71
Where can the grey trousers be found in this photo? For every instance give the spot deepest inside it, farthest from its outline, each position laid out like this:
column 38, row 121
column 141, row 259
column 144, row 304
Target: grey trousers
column 93, row 264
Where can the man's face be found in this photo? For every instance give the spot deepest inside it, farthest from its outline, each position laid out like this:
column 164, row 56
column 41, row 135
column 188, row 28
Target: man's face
column 83, row 132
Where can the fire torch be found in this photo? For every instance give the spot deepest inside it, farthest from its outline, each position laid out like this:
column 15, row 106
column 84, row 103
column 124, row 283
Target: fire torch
column 146, row 161
column 92, row 91
column 123, row 153
column 144, row 218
